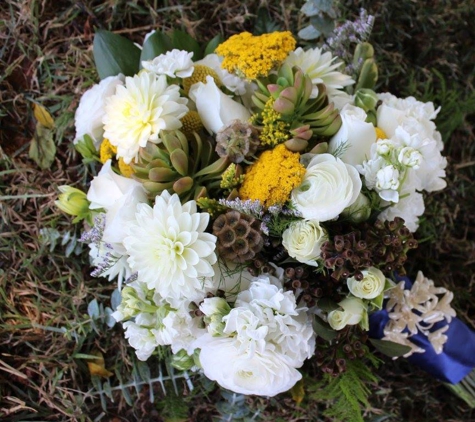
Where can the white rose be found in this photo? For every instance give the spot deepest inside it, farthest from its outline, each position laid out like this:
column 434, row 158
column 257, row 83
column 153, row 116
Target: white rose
column 261, row 374
column 370, row 287
column 215, row 108
column 328, row 187
column 352, row 313
column 355, row 137
column 303, row 240
column 91, row 109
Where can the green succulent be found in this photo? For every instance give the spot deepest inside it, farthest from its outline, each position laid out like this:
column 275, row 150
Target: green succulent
column 289, row 92
column 188, row 168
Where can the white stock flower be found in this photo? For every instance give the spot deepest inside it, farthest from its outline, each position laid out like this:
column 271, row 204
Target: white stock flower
column 410, row 207
column 140, row 110
column 387, row 183
column 370, row 287
column 91, row 109
column 352, row 313
column 410, row 157
column 321, row 68
column 355, row 137
column 303, row 240
column 142, row 339
column 170, row 250
column 328, row 187
column 215, row 108
column 262, row 374
column 174, row 63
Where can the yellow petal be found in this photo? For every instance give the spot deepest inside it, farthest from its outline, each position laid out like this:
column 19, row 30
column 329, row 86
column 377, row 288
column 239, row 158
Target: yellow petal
column 42, row 116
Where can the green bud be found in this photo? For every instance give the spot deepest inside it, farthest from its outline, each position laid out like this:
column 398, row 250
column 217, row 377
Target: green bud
column 366, row 99
column 86, row 148
column 363, row 51
column 368, row 74
column 359, row 211
column 74, row 202
column 182, row 361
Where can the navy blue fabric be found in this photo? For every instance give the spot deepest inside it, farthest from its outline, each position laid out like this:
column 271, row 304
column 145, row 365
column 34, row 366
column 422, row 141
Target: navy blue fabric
column 458, row 357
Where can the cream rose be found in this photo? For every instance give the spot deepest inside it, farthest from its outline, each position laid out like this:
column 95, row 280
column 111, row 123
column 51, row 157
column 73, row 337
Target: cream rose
column 215, row 108
column 370, row 287
column 352, row 313
column 328, row 187
column 354, row 138
column 303, row 240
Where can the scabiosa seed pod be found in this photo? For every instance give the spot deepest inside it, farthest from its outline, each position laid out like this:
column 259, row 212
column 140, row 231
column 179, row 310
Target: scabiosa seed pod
column 239, row 238
column 238, row 141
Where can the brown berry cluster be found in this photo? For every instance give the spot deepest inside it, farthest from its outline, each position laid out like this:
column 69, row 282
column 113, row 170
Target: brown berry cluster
column 239, row 236
column 390, row 242
column 348, row 345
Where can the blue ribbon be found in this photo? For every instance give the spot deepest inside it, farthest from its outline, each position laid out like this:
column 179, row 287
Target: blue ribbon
column 458, row 357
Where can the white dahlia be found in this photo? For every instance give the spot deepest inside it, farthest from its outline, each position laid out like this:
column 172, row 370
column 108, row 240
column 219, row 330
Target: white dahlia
column 140, row 110
column 321, row 68
column 168, row 247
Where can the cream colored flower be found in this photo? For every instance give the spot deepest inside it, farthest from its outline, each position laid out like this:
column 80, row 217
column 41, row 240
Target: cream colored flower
column 370, row 287
column 353, row 312
column 140, row 110
column 322, row 69
column 174, row 63
column 303, row 241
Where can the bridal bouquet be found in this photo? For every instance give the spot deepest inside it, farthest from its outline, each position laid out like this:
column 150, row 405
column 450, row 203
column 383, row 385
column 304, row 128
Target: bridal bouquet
column 256, row 206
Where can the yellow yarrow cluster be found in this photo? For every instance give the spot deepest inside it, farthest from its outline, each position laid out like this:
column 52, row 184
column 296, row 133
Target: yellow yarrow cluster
column 380, row 134
column 107, row 151
column 200, row 73
column 275, row 131
column 124, row 168
column 255, row 56
column 273, row 176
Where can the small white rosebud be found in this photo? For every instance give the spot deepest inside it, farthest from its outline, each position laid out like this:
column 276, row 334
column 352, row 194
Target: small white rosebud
column 352, row 314
column 410, row 157
column 370, row 287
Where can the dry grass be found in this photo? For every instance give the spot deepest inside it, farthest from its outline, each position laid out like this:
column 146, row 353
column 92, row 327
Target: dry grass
column 46, row 333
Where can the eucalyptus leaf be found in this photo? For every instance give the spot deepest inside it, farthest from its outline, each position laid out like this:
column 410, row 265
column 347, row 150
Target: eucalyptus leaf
column 42, row 147
column 323, row 24
column 114, row 54
column 93, row 309
column 110, row 320
column 327, row 305
column 211, row 46
column 156, row 44
column 309, row 33
column 313, row 7
column 390, row 348
column 183, row 41
column 323, row 329
column 116, row 298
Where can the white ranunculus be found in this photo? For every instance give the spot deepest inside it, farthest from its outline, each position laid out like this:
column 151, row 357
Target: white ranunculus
column 261, row 374
column 370, row 287
column 174, row 63
column 355, row 137
column 303, row 240
column 118, row 196
column 231, row 278
column 328, row 187
column 215, row 108
column 91, row 109
column 352, row 313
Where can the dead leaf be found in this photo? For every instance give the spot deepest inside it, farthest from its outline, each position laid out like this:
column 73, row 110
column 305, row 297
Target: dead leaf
column 298, row 392
column 42, row 147
column 97, row 367
column 42, row 116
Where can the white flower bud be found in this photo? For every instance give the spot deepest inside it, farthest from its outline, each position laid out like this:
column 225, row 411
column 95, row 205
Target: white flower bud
column 384, row 147
column 410, row 157
column 359, row 211
column 387, row 178
column 352, row 314
column 370, row 287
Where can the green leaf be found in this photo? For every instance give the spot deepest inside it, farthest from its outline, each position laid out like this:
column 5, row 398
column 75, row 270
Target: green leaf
column 309, row 33
column 115, row 54
column 327, row 305
column 313, row 7
column 182, row 41
column 93, row 309
column 42, row 147
column 377, row 302
column 389, row 348
column 158, row 43
column 211, row 46
column 323, row 329
column 264, row 24
column 323, row 24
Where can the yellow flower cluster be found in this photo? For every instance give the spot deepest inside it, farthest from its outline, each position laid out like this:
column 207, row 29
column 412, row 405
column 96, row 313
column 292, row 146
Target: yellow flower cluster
column 255, row 56
column 275, row 131
column 200, row 73
column 107, row 151
column 273, row 176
